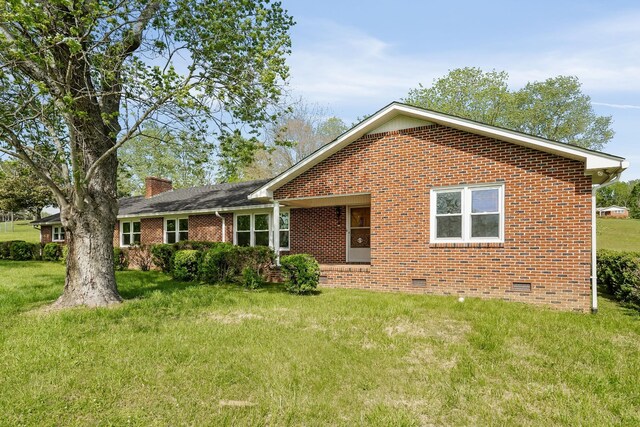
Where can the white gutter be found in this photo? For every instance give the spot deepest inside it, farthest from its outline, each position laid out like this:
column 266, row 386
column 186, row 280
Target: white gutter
column 224, row 226
column 194, row 212
column 594, row 258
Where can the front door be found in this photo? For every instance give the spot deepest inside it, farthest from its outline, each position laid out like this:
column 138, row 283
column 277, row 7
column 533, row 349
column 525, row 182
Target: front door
column 359, row 235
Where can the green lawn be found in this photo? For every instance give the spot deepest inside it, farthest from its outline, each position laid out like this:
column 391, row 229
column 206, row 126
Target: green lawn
column 180, row 354
column 22, row 230
column 618, row 234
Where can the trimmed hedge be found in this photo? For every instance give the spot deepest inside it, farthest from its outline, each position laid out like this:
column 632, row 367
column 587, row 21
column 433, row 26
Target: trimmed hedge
column 219, row 263
column 302, row 273
column 619, row 274
column 52, row 252
column 22, row 251
column 5, row 251
column 186, row 264
column 162, row 255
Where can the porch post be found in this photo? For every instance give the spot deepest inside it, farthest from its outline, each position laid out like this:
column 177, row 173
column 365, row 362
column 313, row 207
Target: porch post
column 276, row 230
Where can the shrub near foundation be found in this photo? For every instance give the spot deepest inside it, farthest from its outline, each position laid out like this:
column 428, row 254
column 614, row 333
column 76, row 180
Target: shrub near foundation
column 301, row 272
column 219, row 263
column 186, row 265
column 619, row 273
column 21, row 251
column 52, row 252
column 162, row 255
column 120, row 259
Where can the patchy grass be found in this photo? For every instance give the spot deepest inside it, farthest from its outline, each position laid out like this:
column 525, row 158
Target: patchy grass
column 618, row 234
column 182, row 354
column 21, row 230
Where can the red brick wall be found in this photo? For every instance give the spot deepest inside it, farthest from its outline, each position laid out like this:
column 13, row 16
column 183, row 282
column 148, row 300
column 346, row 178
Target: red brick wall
column 547, row 215
column 151, row 230
column 205, row 227
column 46, row 234
column 116, row 235
column 319, row 231
column 209, row 227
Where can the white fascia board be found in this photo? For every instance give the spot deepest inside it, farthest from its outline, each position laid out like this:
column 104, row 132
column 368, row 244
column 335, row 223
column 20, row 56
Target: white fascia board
column 194, row 212
column 345, row 139
column 593, row 161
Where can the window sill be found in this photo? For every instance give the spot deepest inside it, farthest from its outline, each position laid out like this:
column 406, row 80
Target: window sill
column 467, row 245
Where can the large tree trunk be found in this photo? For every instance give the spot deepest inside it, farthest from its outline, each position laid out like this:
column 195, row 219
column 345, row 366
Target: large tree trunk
column 89, row 222
column 90, row 278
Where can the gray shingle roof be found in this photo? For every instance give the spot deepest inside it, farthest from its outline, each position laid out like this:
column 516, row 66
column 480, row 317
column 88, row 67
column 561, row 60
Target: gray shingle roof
column 206, row 197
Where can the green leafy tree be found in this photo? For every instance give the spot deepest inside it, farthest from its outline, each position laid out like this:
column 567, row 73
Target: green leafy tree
column 298, row 133
column 469, row 93
column 80, row 79
column 634, row 201
column 22, row 190
column 617, row 194
column 162, row 153
column 554, row 109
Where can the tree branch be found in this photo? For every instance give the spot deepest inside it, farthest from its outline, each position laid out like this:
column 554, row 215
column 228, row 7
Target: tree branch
column 21, row 154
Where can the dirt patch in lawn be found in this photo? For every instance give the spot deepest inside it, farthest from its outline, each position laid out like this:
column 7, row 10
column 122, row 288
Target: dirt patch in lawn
column 234, row 317
column 445, row 330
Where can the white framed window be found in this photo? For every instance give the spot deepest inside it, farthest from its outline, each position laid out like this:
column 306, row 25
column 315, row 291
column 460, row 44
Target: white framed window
column 254, row 229
column 471, row 213
column 176, row 229
column 284, row 230
column 57, row 234
column 129, row 233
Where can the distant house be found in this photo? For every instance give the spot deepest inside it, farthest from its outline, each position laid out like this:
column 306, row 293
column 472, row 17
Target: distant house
column 408, row 200
column 613, row 212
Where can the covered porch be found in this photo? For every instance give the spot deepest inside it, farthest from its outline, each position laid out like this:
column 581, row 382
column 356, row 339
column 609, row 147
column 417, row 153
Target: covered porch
column 336, row 229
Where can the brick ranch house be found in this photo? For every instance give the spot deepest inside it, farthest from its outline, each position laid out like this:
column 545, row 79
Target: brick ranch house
column 613, row 212
column 408, row 200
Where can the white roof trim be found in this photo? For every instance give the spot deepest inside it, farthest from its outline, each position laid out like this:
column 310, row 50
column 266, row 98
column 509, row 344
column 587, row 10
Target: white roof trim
column 594, row 161
column 195, row 212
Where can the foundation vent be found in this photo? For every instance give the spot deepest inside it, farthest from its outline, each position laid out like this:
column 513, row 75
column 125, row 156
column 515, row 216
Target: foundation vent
column 521, row 287
column 419, row 282
column 324, row 279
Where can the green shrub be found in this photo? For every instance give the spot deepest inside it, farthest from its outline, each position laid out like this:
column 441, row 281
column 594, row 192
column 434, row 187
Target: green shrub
column 258, row 258
column 301, row 272
column 120, row 258
column 225, row 262
column 21, row 251
column 162, row 256
column 52, row 252
column 186, row 264
column 140, row 257
column 619, row 274
column 251, row 278
column 37, row 249
column 194, row 244
column 65, row 254
column 5, row 249
column 218, row 263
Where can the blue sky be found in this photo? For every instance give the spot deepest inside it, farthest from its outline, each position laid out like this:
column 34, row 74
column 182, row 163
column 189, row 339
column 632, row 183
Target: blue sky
column 354, row 57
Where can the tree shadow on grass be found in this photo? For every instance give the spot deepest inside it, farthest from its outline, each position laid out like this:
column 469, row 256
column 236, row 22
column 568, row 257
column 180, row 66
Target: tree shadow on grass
column 279, row 288
column 628, row 309
column 135, row 284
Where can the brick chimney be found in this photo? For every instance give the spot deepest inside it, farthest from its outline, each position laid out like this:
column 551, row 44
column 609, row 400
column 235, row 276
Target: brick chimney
column 154, row 186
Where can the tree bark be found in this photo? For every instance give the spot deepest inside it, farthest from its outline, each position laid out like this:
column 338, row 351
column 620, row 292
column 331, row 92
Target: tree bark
column 90, row 278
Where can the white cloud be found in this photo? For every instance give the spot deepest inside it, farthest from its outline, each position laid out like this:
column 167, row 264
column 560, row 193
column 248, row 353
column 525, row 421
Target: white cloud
column 347, row 65
column 621, row 106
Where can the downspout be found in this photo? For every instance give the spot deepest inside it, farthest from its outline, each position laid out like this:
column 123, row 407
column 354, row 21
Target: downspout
column 224, row 226
column 594, row 259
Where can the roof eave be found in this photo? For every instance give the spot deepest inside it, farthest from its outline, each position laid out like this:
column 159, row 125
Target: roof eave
column 594, row 161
